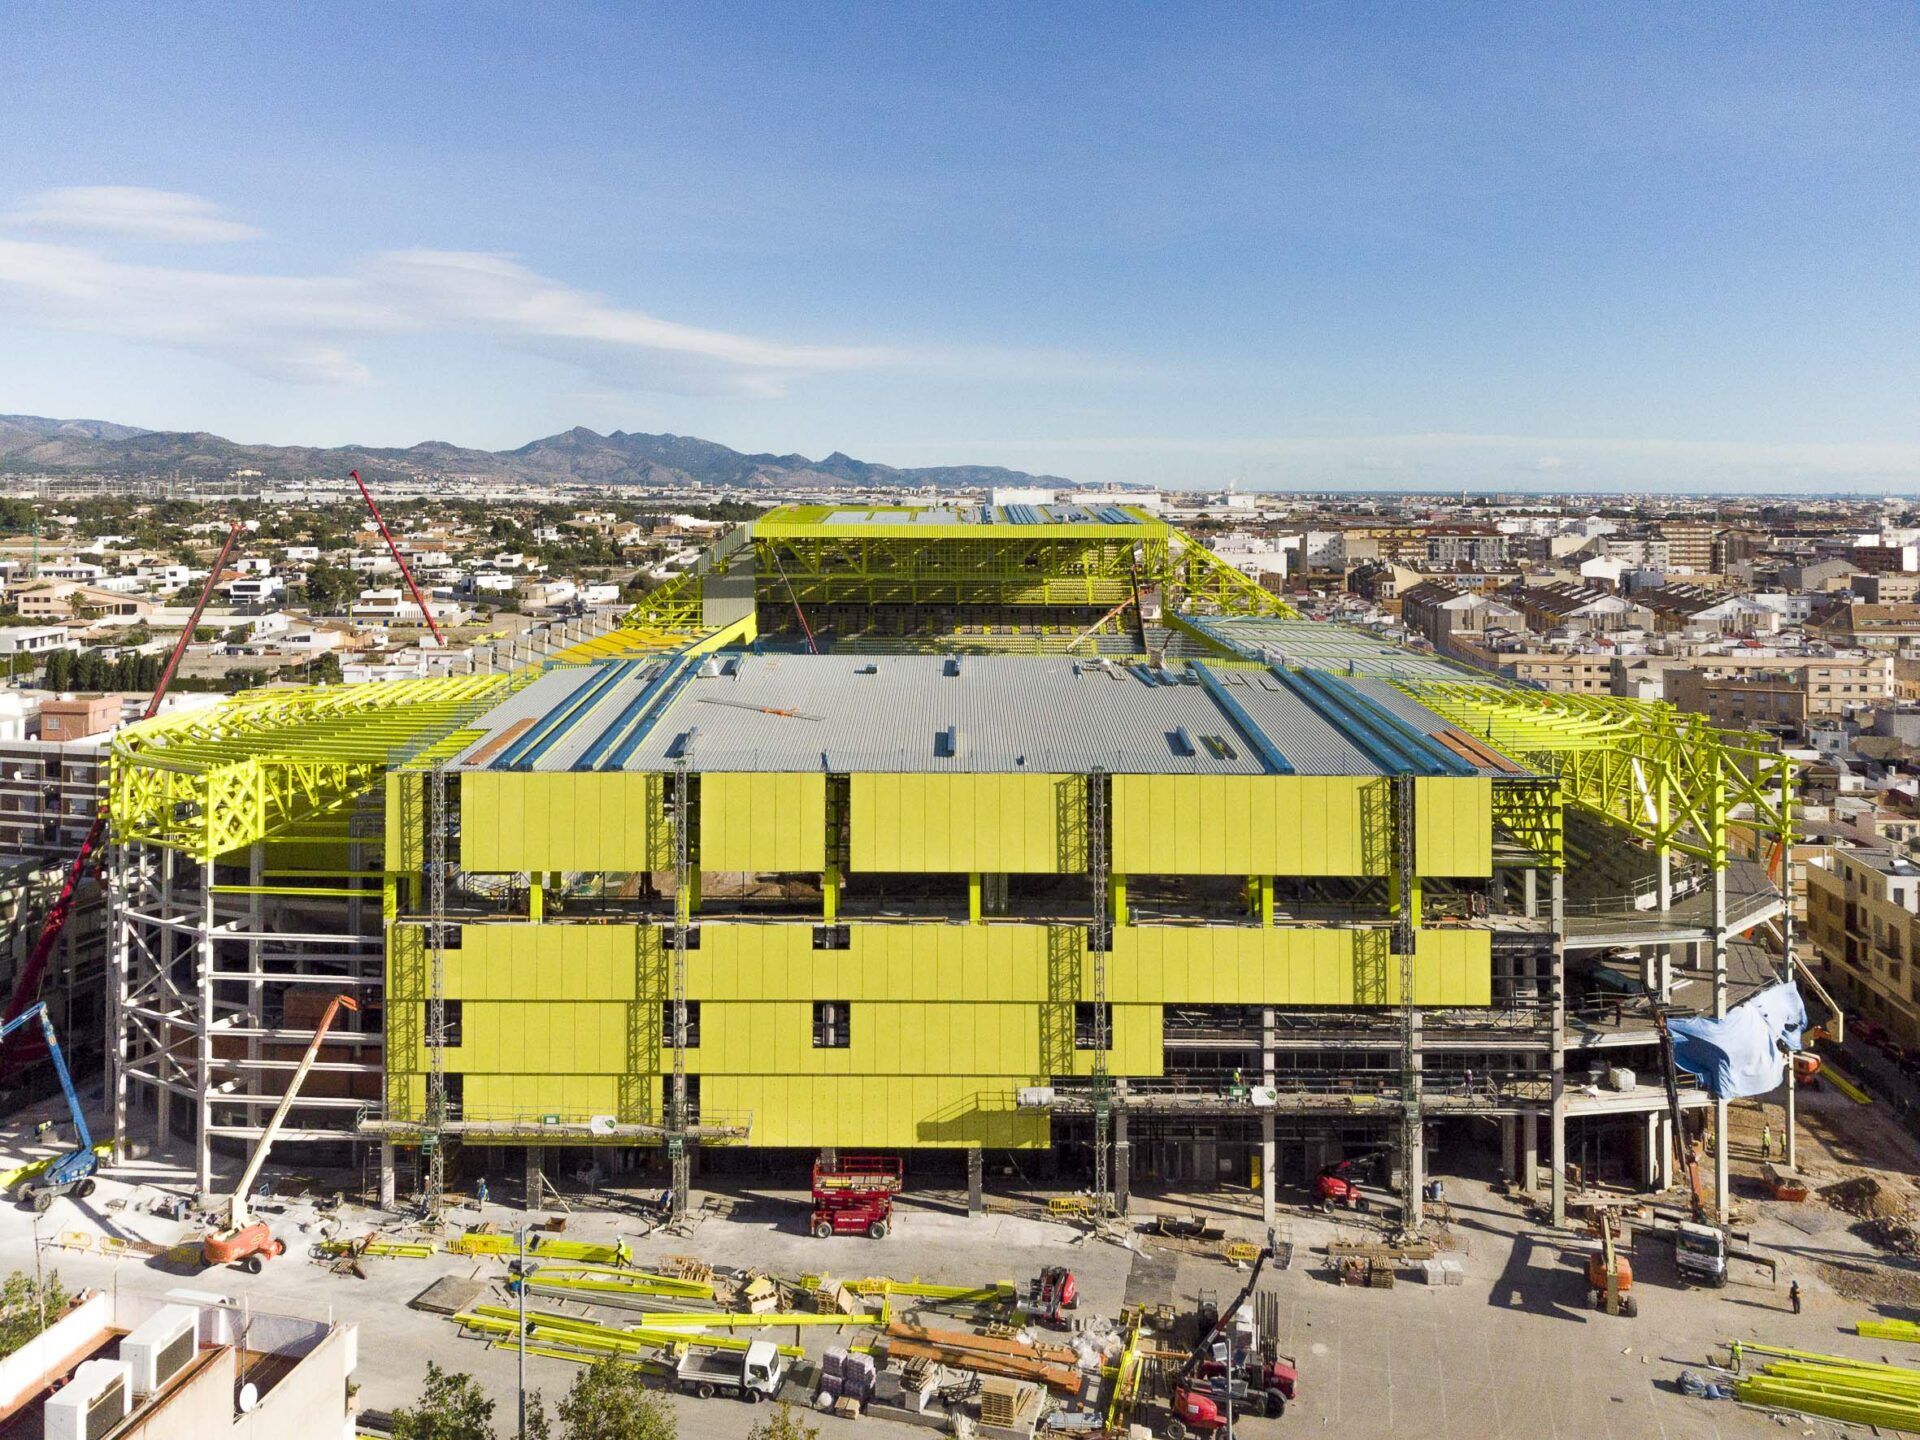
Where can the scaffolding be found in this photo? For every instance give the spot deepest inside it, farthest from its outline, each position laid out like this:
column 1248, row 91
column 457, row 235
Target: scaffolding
column 1099, row 943
column 678, row 1119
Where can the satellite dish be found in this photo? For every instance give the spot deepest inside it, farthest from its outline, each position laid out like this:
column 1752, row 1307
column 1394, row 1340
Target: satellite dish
column 249, row 1398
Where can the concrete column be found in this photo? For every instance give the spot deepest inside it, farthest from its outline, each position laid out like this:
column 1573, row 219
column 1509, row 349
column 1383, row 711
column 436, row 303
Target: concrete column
column 536, row 1174
column 389, row 1186
column 1122, row 1162
column 1722, row 1200
column 1510, row 1148
column 1557, row 1128
column 1529, row 1152
column 1416, row 1176
column 1530, row 892
column 976, row 1181
column 1792, row 1155
column 1267, row 1076
column 203, row 1047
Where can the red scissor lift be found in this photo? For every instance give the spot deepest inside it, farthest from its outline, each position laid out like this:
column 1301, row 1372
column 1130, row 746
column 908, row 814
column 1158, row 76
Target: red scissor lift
column 853, row 1195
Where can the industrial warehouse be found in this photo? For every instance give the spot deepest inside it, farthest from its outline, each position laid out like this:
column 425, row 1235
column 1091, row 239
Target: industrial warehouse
column 1023, row 842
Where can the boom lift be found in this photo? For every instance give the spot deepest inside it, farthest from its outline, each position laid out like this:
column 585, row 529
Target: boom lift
column 244, row 1240
column 73, row 1172
column 1700, row 1248
column 1201, row 1401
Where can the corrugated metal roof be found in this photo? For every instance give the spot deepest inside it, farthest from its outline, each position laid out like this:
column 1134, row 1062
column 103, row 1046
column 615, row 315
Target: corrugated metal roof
column 1048, row 714
column 1324, row 645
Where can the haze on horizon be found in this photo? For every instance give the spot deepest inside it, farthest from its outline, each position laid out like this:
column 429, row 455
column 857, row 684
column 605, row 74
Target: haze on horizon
column 1403, row 246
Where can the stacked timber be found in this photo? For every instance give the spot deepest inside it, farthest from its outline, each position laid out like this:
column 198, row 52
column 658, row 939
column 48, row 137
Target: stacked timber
column 1040, row 1363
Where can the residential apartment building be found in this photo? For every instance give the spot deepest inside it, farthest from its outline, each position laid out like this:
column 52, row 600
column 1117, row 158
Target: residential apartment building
column 1774, row 701
column 1863, row 919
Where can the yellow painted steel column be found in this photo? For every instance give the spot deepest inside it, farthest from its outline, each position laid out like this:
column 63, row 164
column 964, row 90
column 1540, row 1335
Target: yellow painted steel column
column 1117, row 892
column 830, row 893
column 975, row 883
column 536, row 898
column 1266, row 899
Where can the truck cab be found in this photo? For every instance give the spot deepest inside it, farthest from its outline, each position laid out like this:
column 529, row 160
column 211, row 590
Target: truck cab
column 1700, row 1253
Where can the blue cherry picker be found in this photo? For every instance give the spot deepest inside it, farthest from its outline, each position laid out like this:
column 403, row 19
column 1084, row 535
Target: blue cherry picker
column 73, row 1172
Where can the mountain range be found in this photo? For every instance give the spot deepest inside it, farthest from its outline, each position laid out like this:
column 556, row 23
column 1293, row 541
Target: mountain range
column 34, row 444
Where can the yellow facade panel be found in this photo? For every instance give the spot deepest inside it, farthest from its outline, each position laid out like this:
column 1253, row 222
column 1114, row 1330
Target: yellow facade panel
column 1453, row 826
column 1247, row 825
column 763, row 822
column 997, row 824
column 513, row 821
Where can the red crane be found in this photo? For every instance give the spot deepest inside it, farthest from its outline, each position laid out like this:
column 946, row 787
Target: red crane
column 20, row 1052
column 399, row 559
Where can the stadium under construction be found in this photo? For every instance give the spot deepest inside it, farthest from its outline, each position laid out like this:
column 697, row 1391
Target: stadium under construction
column 1032, row 842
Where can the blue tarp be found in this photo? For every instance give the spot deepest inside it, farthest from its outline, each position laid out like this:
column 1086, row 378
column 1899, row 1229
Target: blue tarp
column 1742, row 1055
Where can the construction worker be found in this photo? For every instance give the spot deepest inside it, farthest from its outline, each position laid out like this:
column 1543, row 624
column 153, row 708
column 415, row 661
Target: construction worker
column 1793, row 1296
column 480, row 1193
column 621, row 1254
column 1766, row 1141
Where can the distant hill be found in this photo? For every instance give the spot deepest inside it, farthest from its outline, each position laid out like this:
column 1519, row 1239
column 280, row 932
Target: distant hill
column 33, row 443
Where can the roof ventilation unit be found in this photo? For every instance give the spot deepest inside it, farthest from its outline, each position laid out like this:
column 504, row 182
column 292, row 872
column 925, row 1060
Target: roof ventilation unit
column 953, row 665
column 93, row 1403
column 161, row 1347
column 946, row 743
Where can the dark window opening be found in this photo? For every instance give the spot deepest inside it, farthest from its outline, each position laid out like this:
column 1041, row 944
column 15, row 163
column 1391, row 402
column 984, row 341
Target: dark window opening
column 1089, row 1020
column 832, row 1029
column 449, row 1035
column 693, row 1024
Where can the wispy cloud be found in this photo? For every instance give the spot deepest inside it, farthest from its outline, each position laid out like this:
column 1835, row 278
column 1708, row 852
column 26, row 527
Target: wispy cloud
column 314, row 329
column 308, row 328
column 131, row 210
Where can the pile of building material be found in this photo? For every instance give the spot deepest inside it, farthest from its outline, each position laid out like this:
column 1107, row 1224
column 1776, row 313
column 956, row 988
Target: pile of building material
column 1860, row 1392
column 1053, row 1366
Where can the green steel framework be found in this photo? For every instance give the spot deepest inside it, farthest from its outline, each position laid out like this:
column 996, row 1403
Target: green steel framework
column 798, row 557
column 1669, row 778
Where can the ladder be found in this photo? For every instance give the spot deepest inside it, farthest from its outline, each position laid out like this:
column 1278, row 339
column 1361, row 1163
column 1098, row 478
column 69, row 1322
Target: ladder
column 681, row 1162
column 1099, row 942
column 433, row 1140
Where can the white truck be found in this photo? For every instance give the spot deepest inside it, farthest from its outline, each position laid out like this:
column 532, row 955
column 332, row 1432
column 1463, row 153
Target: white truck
column 1700, row 1253
column 753, row 1374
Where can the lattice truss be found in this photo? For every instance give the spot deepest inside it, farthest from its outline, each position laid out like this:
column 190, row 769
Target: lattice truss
column 999, row 566
column 1671, row 778
column 209, row 781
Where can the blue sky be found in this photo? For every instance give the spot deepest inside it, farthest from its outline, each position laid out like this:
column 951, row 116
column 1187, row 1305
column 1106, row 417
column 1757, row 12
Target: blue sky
column 1332, row 245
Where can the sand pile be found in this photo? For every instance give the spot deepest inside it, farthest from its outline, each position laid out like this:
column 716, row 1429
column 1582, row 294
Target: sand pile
column 1866, row 1197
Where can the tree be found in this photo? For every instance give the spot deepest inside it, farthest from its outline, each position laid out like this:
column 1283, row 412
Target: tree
column 611, row 1402
column 783, row 1424
column 28, row 1304
column 451, row 1407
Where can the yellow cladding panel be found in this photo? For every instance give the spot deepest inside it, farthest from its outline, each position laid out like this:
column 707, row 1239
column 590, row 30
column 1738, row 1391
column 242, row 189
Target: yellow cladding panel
column 1248, row 824
column 1450, row 967
column 763, row 822
column 512, row 821
column 406, row 821
column 899, row 1113
column 1247, row 965
column 888, row 962
column 1453, row 826
column 999, row 824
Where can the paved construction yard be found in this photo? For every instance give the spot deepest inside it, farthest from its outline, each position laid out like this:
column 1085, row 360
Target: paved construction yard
column 1512, row 1352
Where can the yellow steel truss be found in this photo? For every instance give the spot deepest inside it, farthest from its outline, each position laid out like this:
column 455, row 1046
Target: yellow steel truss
column 1671, row 778
column 211, row 780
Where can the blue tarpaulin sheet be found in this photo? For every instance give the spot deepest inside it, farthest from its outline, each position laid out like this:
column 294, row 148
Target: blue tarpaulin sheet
column 1743, row 1054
